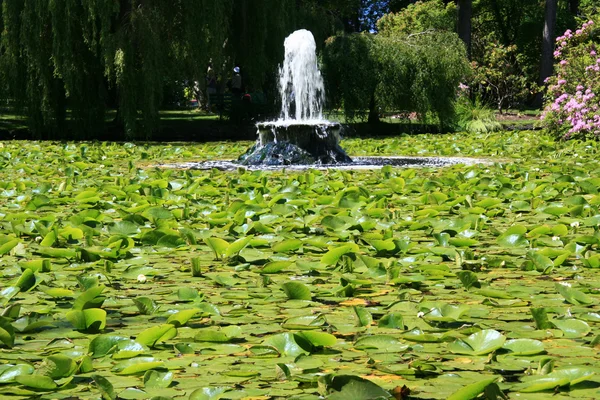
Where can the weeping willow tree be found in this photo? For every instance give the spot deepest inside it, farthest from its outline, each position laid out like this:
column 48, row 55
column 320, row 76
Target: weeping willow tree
column 73, row 54
column 408, row 73
column 67, row 61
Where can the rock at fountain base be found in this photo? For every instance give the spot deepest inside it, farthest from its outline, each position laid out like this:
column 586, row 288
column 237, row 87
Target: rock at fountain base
column 293, row 144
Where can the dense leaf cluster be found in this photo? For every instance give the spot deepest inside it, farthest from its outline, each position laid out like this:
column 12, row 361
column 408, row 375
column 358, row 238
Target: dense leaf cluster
column 87, row 57
column 417, row 73
column 122, row 278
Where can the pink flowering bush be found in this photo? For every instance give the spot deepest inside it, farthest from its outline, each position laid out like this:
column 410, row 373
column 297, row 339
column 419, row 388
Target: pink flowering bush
column 572, row 108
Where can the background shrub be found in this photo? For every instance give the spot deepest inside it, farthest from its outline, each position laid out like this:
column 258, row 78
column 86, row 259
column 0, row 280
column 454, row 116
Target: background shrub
column 411, row 73
column 572, row 108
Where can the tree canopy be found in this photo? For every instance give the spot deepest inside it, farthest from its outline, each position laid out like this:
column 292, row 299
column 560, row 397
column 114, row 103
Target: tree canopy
column 74, row 61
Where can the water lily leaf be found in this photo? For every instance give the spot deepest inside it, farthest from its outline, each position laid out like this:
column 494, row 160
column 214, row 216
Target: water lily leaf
column 469, row 279
column 417, row 335
column 334, row 254
column 91, row 298
column 318, row 339
column 540, row 318
column 102, row 345
column 11, row 372
column 43, row 265
column 381, row 246
column 56, row 292
column 304, row 322
column 473, row 390
column 157, row 213
column 479, row 343
column 363, row 316
column 105, row 387
column 154, row 379
column 136, row 365
column 237, row 246
column 559, row 377
column 182, row 317
column 71, row 234
column 524, row 347
column 274, row 267
column 573, row 296
column 171, row 241
column 207, row 309
column 212, row 393
column 90, row 319
column 380, row 343
column 58, row 366
column 462, row 242
column 488, row 202
column 217, row 245
column 213, row 336
column 187, row 293
column 344, row 387
column 26, row 281
column 223, row 279
column 445, row 312
column 38, row 382
column 156, row 334
column 124, row 228
column 391, row 321
column 572, row 328
column 7, row 333
column 540, row 262
column 493, row 293
column 133, row 394
column 514, row 237
column 338, row 223
column 128, row 349
column 8, row 246
column 287, row 246
column 49, row 239
column 296, row 291
column 286, row 344
column 146, row 305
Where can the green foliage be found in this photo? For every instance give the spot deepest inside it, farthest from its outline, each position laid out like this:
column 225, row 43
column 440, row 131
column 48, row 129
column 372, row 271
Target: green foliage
column 73, row 56
column 419, row 17
column 475, row 117
column 404, row 243
column 418, row 73
column 499, row 76
column 571, row 107
column 349, row 66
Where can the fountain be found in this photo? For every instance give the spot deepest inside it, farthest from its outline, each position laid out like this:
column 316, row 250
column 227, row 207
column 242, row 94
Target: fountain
column 301, row 135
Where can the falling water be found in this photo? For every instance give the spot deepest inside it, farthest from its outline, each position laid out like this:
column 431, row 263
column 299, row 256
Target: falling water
column 300, row 81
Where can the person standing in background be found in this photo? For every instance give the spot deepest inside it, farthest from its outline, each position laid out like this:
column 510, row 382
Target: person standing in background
column 211, row 86
column 236, row 82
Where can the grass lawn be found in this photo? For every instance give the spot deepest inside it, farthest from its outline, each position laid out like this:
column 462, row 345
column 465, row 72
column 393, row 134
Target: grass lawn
column 118, row 278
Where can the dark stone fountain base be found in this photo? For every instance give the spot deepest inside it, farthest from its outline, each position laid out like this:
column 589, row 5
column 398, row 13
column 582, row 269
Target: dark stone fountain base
column 293, row 144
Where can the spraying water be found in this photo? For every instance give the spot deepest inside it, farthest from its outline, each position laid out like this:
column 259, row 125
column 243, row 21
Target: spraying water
column 300, row 81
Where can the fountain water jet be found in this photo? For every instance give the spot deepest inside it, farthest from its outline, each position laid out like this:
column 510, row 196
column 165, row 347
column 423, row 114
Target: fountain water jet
column 301, row 135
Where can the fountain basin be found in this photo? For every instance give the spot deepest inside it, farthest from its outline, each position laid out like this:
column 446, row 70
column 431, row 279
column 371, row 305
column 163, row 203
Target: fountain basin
column 291, row 143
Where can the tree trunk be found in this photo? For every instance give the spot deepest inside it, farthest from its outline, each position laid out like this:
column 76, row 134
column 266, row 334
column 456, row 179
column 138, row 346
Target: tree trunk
column 464, row 23
column 373, row 114
column 547, row 61
column 574, row 6
column 500, row 22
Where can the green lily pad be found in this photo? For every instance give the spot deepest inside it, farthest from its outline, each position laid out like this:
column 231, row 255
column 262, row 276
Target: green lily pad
column 479, row 343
